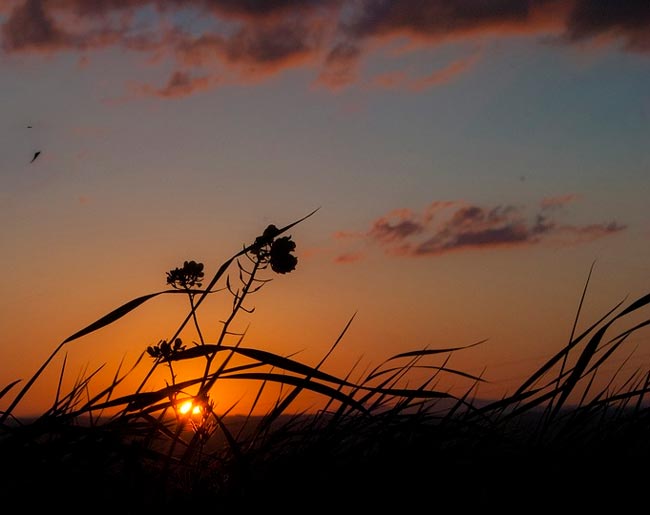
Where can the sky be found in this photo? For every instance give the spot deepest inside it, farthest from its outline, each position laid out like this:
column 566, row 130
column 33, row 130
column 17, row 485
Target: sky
column 470, row 161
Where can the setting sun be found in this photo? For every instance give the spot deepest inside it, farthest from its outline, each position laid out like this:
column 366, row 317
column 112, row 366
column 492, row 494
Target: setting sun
column 189, row 408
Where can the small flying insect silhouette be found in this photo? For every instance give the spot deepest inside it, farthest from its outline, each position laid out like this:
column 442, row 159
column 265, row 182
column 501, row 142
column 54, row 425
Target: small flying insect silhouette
column 36, row 154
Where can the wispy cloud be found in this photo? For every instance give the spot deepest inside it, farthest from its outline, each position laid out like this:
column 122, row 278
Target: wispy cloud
column 252, row 40
column 557, row 202
column 406, row 82
column 349, row 257
column 340, row 66
column 180, row 84
column 454, row 226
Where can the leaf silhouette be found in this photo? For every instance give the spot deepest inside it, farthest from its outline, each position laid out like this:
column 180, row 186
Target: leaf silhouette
column 114, row 315
column 4, row 391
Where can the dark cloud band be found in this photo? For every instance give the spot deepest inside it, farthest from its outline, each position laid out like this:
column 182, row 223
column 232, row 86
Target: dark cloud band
column 240, row 39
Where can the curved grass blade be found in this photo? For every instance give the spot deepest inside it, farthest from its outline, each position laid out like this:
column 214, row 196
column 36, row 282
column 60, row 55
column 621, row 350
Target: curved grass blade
column 4, row 391
column 301, row 383
column 108, row 391
column 573, row 328
column 427, row 352
column 117, row 313
column 637, row 304
column 308, row 383
column 111, row 317
column 562, row 353
column 264, row 357
column 140, row 400
column 430, row 367
column 592, row 346
column 282, row 406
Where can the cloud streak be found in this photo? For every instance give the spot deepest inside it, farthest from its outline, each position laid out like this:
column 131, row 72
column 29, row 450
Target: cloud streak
column 251, row 40
column 180, row 84
column 455, row 226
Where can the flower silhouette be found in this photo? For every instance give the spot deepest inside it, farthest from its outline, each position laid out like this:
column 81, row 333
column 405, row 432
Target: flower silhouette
column 281, row 259
column 260, row 247
column 187, row 277
column 165, row 350
column 276, row 252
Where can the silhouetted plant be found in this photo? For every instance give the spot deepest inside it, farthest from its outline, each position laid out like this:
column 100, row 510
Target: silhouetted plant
column 190, row 275
column 176, row 446
column 164, row 351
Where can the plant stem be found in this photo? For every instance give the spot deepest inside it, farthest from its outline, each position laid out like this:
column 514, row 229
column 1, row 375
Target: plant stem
column 206, row 385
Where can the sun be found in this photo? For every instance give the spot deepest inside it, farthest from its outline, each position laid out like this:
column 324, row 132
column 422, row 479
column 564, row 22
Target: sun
column 189, row 408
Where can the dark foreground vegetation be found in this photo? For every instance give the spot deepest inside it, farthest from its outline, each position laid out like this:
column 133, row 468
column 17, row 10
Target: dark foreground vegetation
column 557, row 442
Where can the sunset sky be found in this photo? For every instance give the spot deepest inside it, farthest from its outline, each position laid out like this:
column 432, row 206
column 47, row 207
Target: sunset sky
column 470, row 161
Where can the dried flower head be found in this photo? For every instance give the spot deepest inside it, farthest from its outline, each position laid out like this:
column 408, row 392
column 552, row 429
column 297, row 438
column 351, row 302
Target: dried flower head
column 164, row 350
column 261, row 244
column 190, row 275
column 276, row 252
column 281, row 259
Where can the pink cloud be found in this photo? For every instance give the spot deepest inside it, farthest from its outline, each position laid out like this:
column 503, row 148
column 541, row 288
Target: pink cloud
column 180, row 84
column 253, row 40
column 400, row 80
column 444, row 227
column 583, row 234
column 349, row 257
column 30, row 26
column 396, row 225
column 340, row 67
column 444, row 75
